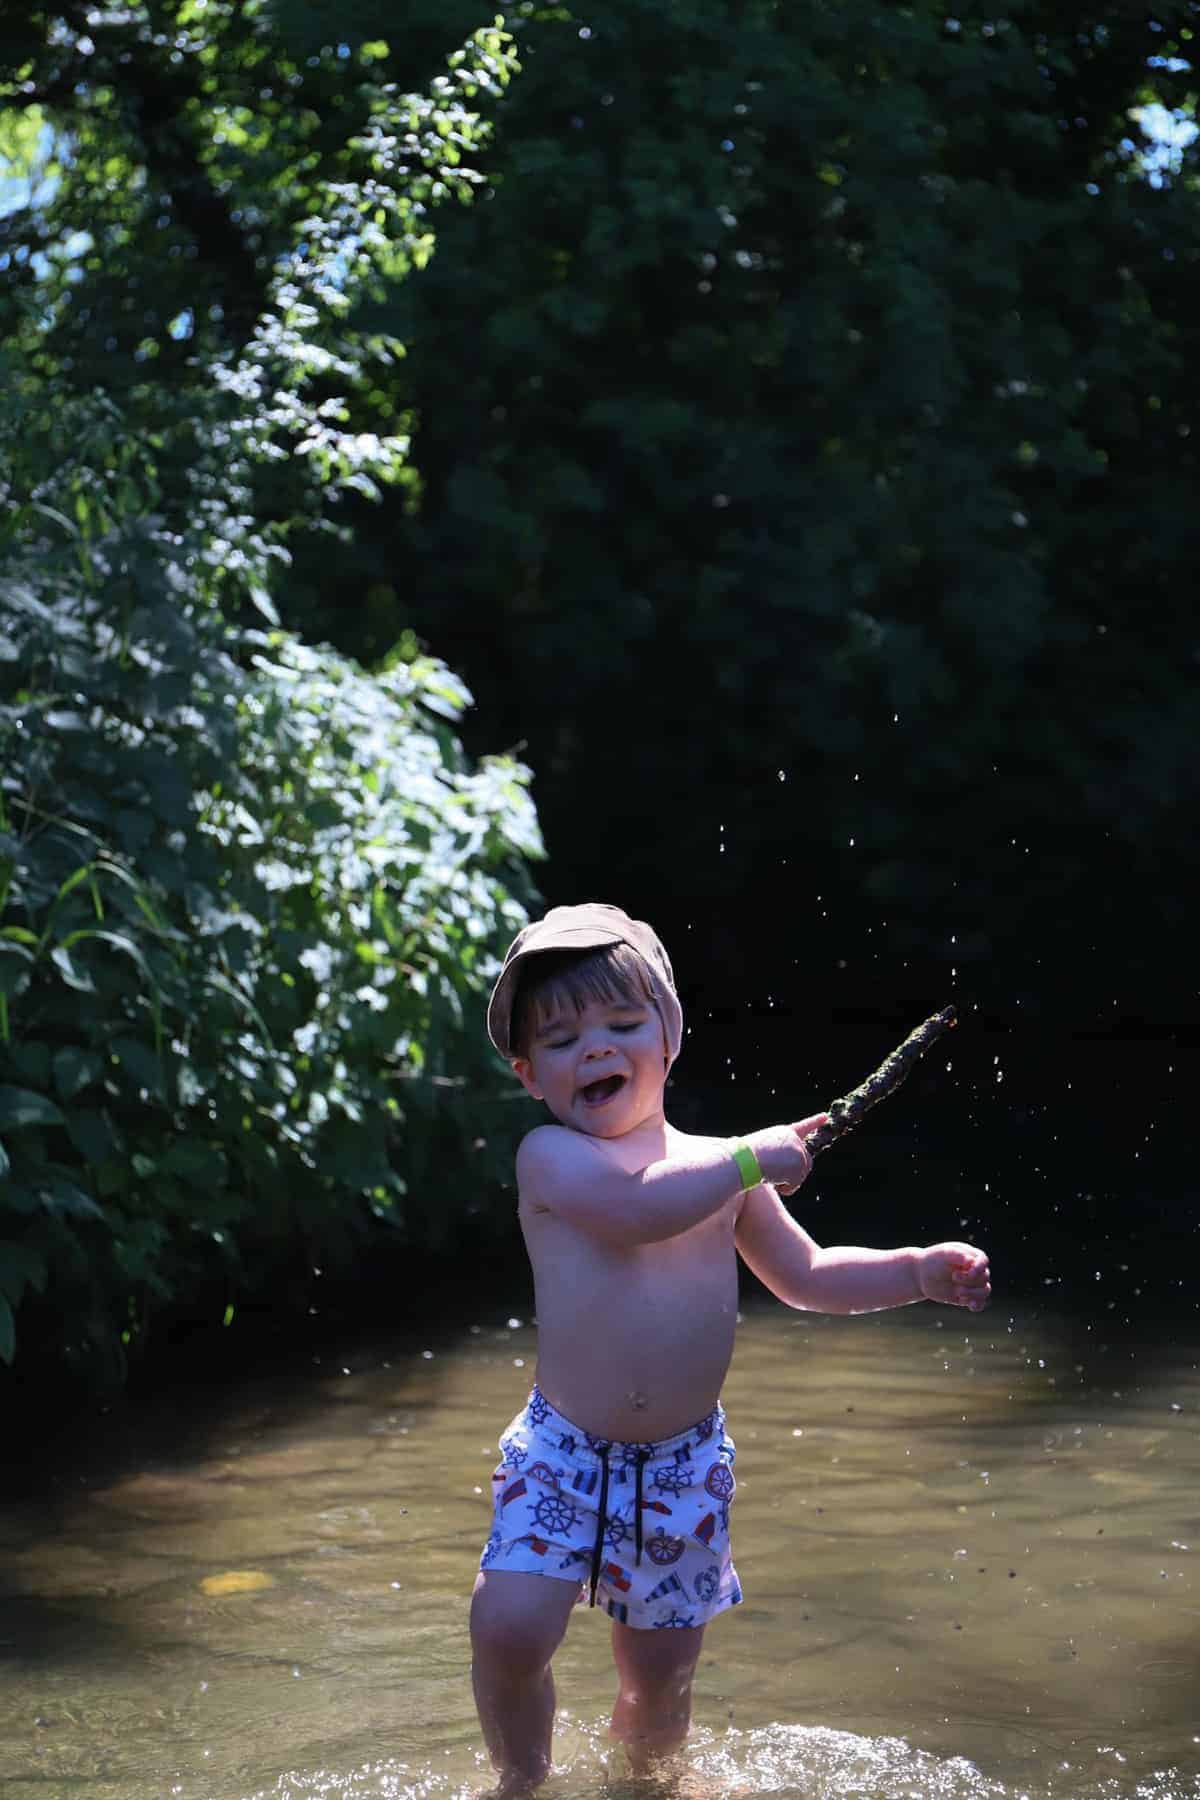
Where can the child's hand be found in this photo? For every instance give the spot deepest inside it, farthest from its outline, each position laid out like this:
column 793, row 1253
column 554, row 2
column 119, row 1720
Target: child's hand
column 782, row 1155
column 955, row 1274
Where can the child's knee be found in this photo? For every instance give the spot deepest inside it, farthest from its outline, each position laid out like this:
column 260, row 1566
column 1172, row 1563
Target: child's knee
column 512, row 1647
column 667, row 1687
column 513, row 1639
column 657, row 1668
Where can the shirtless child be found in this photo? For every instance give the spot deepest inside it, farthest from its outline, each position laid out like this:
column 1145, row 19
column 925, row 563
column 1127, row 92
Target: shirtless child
column 616, row 1479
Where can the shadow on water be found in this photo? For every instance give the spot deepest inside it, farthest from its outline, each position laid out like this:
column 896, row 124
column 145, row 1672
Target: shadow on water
column 176, row 1444
column 177, row 1397
column 36, row 1629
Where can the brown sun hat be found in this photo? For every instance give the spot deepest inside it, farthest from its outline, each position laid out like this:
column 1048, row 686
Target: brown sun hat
column 586, row 927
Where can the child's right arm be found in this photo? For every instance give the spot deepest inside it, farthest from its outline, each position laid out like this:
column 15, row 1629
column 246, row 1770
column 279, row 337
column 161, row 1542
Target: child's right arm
column 565, row 1172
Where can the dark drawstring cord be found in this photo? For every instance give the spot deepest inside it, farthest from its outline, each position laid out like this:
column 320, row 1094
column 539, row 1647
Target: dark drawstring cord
column 598, row 1546
column 637, row 1503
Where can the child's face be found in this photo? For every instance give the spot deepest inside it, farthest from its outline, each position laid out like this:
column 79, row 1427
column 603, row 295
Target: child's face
column 600, row 1071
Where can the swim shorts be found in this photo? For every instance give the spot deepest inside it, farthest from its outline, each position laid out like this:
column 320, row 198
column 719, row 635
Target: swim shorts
column 643, row 1528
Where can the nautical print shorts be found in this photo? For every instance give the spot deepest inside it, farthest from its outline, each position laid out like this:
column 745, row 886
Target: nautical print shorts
column 643, row 1528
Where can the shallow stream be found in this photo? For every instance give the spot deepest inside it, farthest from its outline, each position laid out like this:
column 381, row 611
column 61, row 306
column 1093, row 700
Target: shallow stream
column 967, row 1546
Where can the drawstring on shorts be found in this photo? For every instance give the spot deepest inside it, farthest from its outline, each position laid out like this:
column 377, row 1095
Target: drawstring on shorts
column 598, row 1547
column 637, row 1505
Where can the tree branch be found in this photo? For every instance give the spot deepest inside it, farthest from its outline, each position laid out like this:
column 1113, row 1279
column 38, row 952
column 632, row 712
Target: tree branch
column 849, row 1111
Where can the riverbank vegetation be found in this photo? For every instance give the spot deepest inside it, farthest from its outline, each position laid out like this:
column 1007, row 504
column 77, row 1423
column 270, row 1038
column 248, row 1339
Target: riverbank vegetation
column 251, row 893
column 788, row 441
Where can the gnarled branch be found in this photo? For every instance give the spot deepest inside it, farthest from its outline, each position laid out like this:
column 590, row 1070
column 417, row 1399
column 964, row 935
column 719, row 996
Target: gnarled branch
column 847, row 1112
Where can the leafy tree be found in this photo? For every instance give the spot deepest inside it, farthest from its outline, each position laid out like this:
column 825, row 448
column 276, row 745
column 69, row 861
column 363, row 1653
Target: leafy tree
column 250, row 895
column 820, row 407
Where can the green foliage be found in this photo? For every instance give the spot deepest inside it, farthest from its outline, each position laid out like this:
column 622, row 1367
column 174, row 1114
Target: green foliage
column 827, row 410
column 248, row 915
column 251, row 895
column 810, row 397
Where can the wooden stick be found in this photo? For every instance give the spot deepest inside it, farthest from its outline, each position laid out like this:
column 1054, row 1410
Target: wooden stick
column 847, row 1112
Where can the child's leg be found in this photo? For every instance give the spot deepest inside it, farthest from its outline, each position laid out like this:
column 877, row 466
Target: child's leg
column 654, row 1705
column 517, row 1623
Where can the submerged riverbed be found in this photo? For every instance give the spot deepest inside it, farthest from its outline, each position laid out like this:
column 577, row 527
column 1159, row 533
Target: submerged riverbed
column 967, row 1546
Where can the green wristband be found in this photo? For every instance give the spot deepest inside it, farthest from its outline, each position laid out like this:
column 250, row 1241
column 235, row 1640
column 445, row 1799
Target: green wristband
column 747, row 1163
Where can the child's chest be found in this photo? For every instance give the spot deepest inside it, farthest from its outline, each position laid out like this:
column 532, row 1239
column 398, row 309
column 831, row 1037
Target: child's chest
column 684, row 1278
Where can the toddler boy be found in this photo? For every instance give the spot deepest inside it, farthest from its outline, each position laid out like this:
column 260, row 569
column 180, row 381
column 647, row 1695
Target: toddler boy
column 616, row 1479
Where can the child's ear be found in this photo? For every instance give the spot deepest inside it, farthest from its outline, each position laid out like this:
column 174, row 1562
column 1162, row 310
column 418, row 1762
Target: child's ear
column 522, row 1068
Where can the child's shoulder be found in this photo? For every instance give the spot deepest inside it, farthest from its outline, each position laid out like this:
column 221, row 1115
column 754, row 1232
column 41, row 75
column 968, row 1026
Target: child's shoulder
column 552, row 1160
column 552, row 1144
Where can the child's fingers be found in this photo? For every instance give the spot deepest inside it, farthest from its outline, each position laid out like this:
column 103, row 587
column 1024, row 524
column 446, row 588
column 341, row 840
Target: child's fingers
column 806, row 1127
column 973, row 1285
column 968, row 1263
column 969, row 1276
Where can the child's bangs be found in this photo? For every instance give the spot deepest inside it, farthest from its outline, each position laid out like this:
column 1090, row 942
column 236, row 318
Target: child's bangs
column 614, row 974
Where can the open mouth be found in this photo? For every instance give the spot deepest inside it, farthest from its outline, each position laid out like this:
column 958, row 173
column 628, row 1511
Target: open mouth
column 596, row 1093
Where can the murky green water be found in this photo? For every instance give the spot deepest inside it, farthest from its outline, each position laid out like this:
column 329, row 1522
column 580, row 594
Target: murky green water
column 966, row 1545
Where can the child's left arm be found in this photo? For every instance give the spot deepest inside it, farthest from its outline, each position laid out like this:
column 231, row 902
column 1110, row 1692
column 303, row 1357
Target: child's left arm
column 845, row 1278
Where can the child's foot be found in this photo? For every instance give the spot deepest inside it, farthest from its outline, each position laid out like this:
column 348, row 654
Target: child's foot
column 510, row 1787
column 675, row 1780
column 663, row 1777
